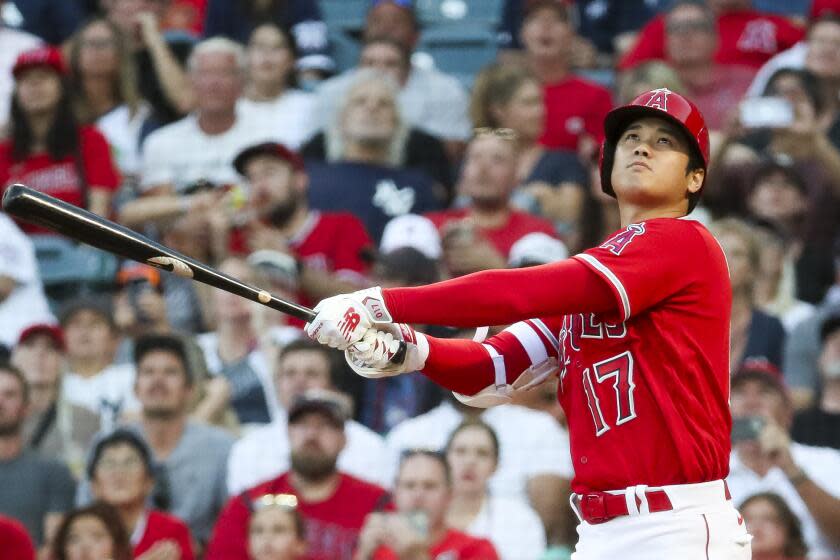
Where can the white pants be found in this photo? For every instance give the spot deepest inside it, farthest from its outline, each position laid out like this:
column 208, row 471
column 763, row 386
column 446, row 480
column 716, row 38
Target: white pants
column 703, row 525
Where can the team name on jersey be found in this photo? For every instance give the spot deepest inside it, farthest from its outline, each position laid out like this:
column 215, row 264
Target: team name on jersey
column 621, row 240
column 584, row 326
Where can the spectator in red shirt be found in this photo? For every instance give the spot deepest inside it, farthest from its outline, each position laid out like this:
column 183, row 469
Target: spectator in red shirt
column 47, row 149
column 333, row 504
column 747, row 36
column 276, row 530
column 418, row 529
column 479, row 236
column 690, row 43
column 95, row 531
column 14, row 540
column 122, row 475
column 575, row 108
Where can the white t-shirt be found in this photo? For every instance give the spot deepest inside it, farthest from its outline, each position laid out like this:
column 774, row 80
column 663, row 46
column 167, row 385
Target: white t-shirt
column 27, row 304
column 430, row 100
column 531, row 443
column 122, row 130
column 181, row 153
column 515, row 529
column 264, row 453
column 288, row 119
column 109, row 393
column 794, row 57
column 12, row 43
column 821, row 464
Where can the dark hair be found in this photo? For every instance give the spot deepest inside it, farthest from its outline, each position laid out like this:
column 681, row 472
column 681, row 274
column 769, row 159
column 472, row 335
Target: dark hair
column 162, row 343
column 795, row 546
column 109, row 517
column 431, row 454
column 7, row 368
column 304, row 344
column 62, row 137
column 383, row 40
column 121, row 436
column 810, row 83
column 770, row 168
column 291, row 44
column 474, row 423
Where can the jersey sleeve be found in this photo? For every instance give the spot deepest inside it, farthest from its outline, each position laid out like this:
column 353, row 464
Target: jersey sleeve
column 100, row 171
column 648, row 262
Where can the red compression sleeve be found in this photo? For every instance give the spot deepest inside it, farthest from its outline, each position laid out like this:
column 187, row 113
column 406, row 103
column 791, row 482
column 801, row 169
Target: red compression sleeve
column 500, row 297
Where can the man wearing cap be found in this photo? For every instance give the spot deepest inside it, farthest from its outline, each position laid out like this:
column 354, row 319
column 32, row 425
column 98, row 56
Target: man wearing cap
column 54, row 427
column 819, row 425
column 328, row 246
column 764, row 459
column 333, row 504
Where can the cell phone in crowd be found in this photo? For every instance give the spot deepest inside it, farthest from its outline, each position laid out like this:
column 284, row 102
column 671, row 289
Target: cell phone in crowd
column 747, row 428
column 766, row 112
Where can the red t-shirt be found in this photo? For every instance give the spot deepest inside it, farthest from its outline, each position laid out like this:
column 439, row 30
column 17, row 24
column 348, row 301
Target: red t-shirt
column 60, row 178
column 454, row 545
column 161, row 526
column 502, row 237
column 747, row 37
column 718, row 99
column 14, row 540
column 332, row 526
column 644, row 381
column 574, row 106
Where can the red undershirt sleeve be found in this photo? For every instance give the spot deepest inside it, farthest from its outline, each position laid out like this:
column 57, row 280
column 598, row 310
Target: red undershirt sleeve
column 501, row 297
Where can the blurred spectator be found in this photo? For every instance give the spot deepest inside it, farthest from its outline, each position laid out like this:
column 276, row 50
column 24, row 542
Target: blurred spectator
column 333, row 504
column 54, row 427
column 14, row 540
column 428, row 99
column 612, row 25
column 552, row 183
column 231, row 351
column 765, row 460
column 139, row 305
column 747, row 37
column 51, row 22
column 479, row 235
column 819, row 425
column 776, row 532
column 94, row 532
column 409, row 146
column 574, row 108
column 12, row 43
column 122, row 475
column 364, row 181
column 270, row 97
column 326, row 246
column 276, row 530
column 515, row 530
column 103, row 78
column 535, row 249
column 93, row 379
column 237, row 20
column 754, row 335
column 419, row 529
column 534, row 462
column 263, row 453
column 187, row 164
column 22, row 299
column 645, row 77
column 159, row 59
column 35, row 491
column 47, row 149
column 690, row 44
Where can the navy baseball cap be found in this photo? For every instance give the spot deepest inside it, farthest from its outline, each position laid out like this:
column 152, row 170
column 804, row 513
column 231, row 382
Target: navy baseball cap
column 329, row 403
column 271, row 149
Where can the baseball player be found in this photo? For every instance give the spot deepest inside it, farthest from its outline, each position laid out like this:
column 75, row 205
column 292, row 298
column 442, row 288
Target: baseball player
column 637, row 329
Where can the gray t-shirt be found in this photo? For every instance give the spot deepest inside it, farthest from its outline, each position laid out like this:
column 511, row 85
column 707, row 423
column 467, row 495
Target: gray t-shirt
column 31, row 487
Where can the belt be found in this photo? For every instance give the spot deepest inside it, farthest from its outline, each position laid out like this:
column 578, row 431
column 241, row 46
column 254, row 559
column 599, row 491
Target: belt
column 600, row 507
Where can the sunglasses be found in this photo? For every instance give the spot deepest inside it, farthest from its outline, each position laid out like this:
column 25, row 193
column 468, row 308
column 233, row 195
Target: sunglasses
column 504, row 133
column 285, row 501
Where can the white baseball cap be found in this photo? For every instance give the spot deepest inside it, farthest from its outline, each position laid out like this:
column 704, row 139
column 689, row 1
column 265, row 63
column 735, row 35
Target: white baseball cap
column 411, row 230
column 536, row 248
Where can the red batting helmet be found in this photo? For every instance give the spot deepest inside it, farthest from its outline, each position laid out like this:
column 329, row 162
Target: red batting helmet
column 661, row 103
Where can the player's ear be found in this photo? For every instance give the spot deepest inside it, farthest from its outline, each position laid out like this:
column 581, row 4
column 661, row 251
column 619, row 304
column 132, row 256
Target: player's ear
column 695, row 180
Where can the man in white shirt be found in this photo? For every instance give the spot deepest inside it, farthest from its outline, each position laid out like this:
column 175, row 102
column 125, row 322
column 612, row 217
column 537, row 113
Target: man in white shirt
column 264, row 452
column 764, row 459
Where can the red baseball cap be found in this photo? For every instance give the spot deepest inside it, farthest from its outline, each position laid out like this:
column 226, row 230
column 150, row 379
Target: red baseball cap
column 268, row 148
column 40, row 56
column 759, row 369
column 820, row 8
column 53, row 331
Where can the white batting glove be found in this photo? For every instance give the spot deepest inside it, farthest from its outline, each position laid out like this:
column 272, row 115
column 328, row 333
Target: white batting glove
column 344, row 319
column 371, row 356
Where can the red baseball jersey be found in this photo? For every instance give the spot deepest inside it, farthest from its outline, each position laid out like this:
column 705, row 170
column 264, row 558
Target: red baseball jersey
column 161, row 526
column 644, row 380
column 454, row 545
column 574, row 106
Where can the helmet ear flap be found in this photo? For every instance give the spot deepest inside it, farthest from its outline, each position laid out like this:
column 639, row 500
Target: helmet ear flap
column 606, row 165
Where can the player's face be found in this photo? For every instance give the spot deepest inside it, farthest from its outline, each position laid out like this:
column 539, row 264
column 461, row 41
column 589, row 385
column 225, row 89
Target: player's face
column 472, row 459
column 765, row 525
column 120, row 477
column 88, row 539
column 272, row 535
column 272, row 182
column 300, row 371
column 649, row 168
column 489, row 173
column 421, row 486
column 161, row 384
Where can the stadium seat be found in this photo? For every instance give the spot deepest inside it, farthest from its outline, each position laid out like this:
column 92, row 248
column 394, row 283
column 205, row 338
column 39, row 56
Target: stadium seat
column 68, row 269
column 344, row 14
column 471, row 12
column 783, row 7
column 459, row 50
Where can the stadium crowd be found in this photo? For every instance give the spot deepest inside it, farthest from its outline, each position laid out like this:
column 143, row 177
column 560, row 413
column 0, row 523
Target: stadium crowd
column 146, row 416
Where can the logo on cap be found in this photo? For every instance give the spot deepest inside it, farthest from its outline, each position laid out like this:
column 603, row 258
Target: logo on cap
column 659, row 99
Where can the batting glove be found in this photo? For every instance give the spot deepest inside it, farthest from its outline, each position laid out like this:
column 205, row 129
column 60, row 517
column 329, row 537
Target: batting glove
column 342, row 320
column 372, row 356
